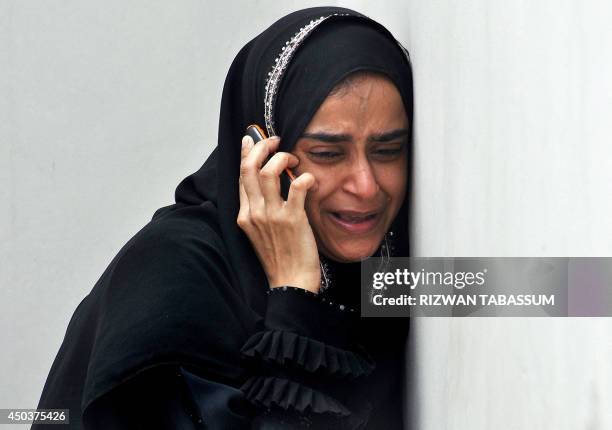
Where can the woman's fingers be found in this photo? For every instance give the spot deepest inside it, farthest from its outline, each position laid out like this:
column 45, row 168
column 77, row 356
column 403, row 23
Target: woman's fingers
column 243, row 212
column 263, row 215
column 247, row 145
column 298, row 191
column 269, row 177
column 247, row 170
column 260, row 186
column 253, row 157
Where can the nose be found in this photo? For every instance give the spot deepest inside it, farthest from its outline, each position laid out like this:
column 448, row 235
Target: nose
column 361, row 181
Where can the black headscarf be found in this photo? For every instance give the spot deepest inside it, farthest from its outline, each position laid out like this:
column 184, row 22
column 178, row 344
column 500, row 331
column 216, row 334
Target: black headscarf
column 332, row 43
column 158, row 301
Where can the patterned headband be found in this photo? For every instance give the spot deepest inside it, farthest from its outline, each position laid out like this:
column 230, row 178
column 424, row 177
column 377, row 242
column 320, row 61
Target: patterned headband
column 282, row 61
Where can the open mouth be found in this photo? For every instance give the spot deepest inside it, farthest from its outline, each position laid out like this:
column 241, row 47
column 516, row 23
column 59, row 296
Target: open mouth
column 354, row 222
column 353, row 219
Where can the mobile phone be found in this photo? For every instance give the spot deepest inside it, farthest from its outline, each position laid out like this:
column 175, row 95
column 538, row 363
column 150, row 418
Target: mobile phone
column 258, row 134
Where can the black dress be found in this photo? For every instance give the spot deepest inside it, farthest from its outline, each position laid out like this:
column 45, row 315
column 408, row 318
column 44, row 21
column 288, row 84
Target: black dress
column 181, row 331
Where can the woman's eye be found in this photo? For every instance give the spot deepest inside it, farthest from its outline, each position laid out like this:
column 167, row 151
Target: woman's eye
column 325, row 155
column 389, row 152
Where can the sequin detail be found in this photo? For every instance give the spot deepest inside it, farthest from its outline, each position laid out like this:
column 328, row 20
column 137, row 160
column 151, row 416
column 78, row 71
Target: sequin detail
column 282, row 61
column 285, row 288
column 280, row 65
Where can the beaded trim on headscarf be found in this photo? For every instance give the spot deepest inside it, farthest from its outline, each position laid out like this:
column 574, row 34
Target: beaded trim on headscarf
column 280, row 65
column 282, row 61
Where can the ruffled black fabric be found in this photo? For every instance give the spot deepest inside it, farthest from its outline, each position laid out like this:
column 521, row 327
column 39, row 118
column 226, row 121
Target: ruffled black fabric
column 271, row 391
column 287, row 348
column 306, row 366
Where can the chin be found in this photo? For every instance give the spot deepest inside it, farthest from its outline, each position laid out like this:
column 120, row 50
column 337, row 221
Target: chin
column 352, row 253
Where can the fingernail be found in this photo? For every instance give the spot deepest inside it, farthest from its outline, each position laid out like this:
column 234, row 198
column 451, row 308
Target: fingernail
column 246, row 141
column 274, row 138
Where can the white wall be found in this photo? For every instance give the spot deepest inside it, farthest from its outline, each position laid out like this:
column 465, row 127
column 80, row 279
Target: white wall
column 513, row 158
column 106, row 106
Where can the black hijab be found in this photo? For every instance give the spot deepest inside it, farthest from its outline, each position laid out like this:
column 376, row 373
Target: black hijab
column 157, row 302
column 320, row 46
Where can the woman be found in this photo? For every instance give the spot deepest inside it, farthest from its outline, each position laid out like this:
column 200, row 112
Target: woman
column 238, row 306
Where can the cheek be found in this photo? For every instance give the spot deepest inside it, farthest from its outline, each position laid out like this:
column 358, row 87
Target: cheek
column 309, row 206
column 316, row 200
column 394, row 183
column 325, row 184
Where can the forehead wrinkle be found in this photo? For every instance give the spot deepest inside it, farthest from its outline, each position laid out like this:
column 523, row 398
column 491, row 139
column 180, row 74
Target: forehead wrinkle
column 364, row 95
column 362, row 88
column 354, row 113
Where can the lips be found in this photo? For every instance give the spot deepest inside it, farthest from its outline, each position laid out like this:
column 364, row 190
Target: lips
column 356, row 222
column 353, row 217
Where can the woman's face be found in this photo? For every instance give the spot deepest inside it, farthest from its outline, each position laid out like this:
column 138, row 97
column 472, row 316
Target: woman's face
column 356, row 146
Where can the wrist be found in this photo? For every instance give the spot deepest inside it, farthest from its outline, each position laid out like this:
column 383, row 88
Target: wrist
column 305, row 284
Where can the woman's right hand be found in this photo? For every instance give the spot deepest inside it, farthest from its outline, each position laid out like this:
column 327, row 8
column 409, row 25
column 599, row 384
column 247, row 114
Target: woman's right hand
column 278, row 230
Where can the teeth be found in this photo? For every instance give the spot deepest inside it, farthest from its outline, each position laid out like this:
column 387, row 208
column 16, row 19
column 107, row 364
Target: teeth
column 354, row 219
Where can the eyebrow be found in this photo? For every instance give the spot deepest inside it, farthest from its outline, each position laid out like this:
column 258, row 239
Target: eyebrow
column 338, row 138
